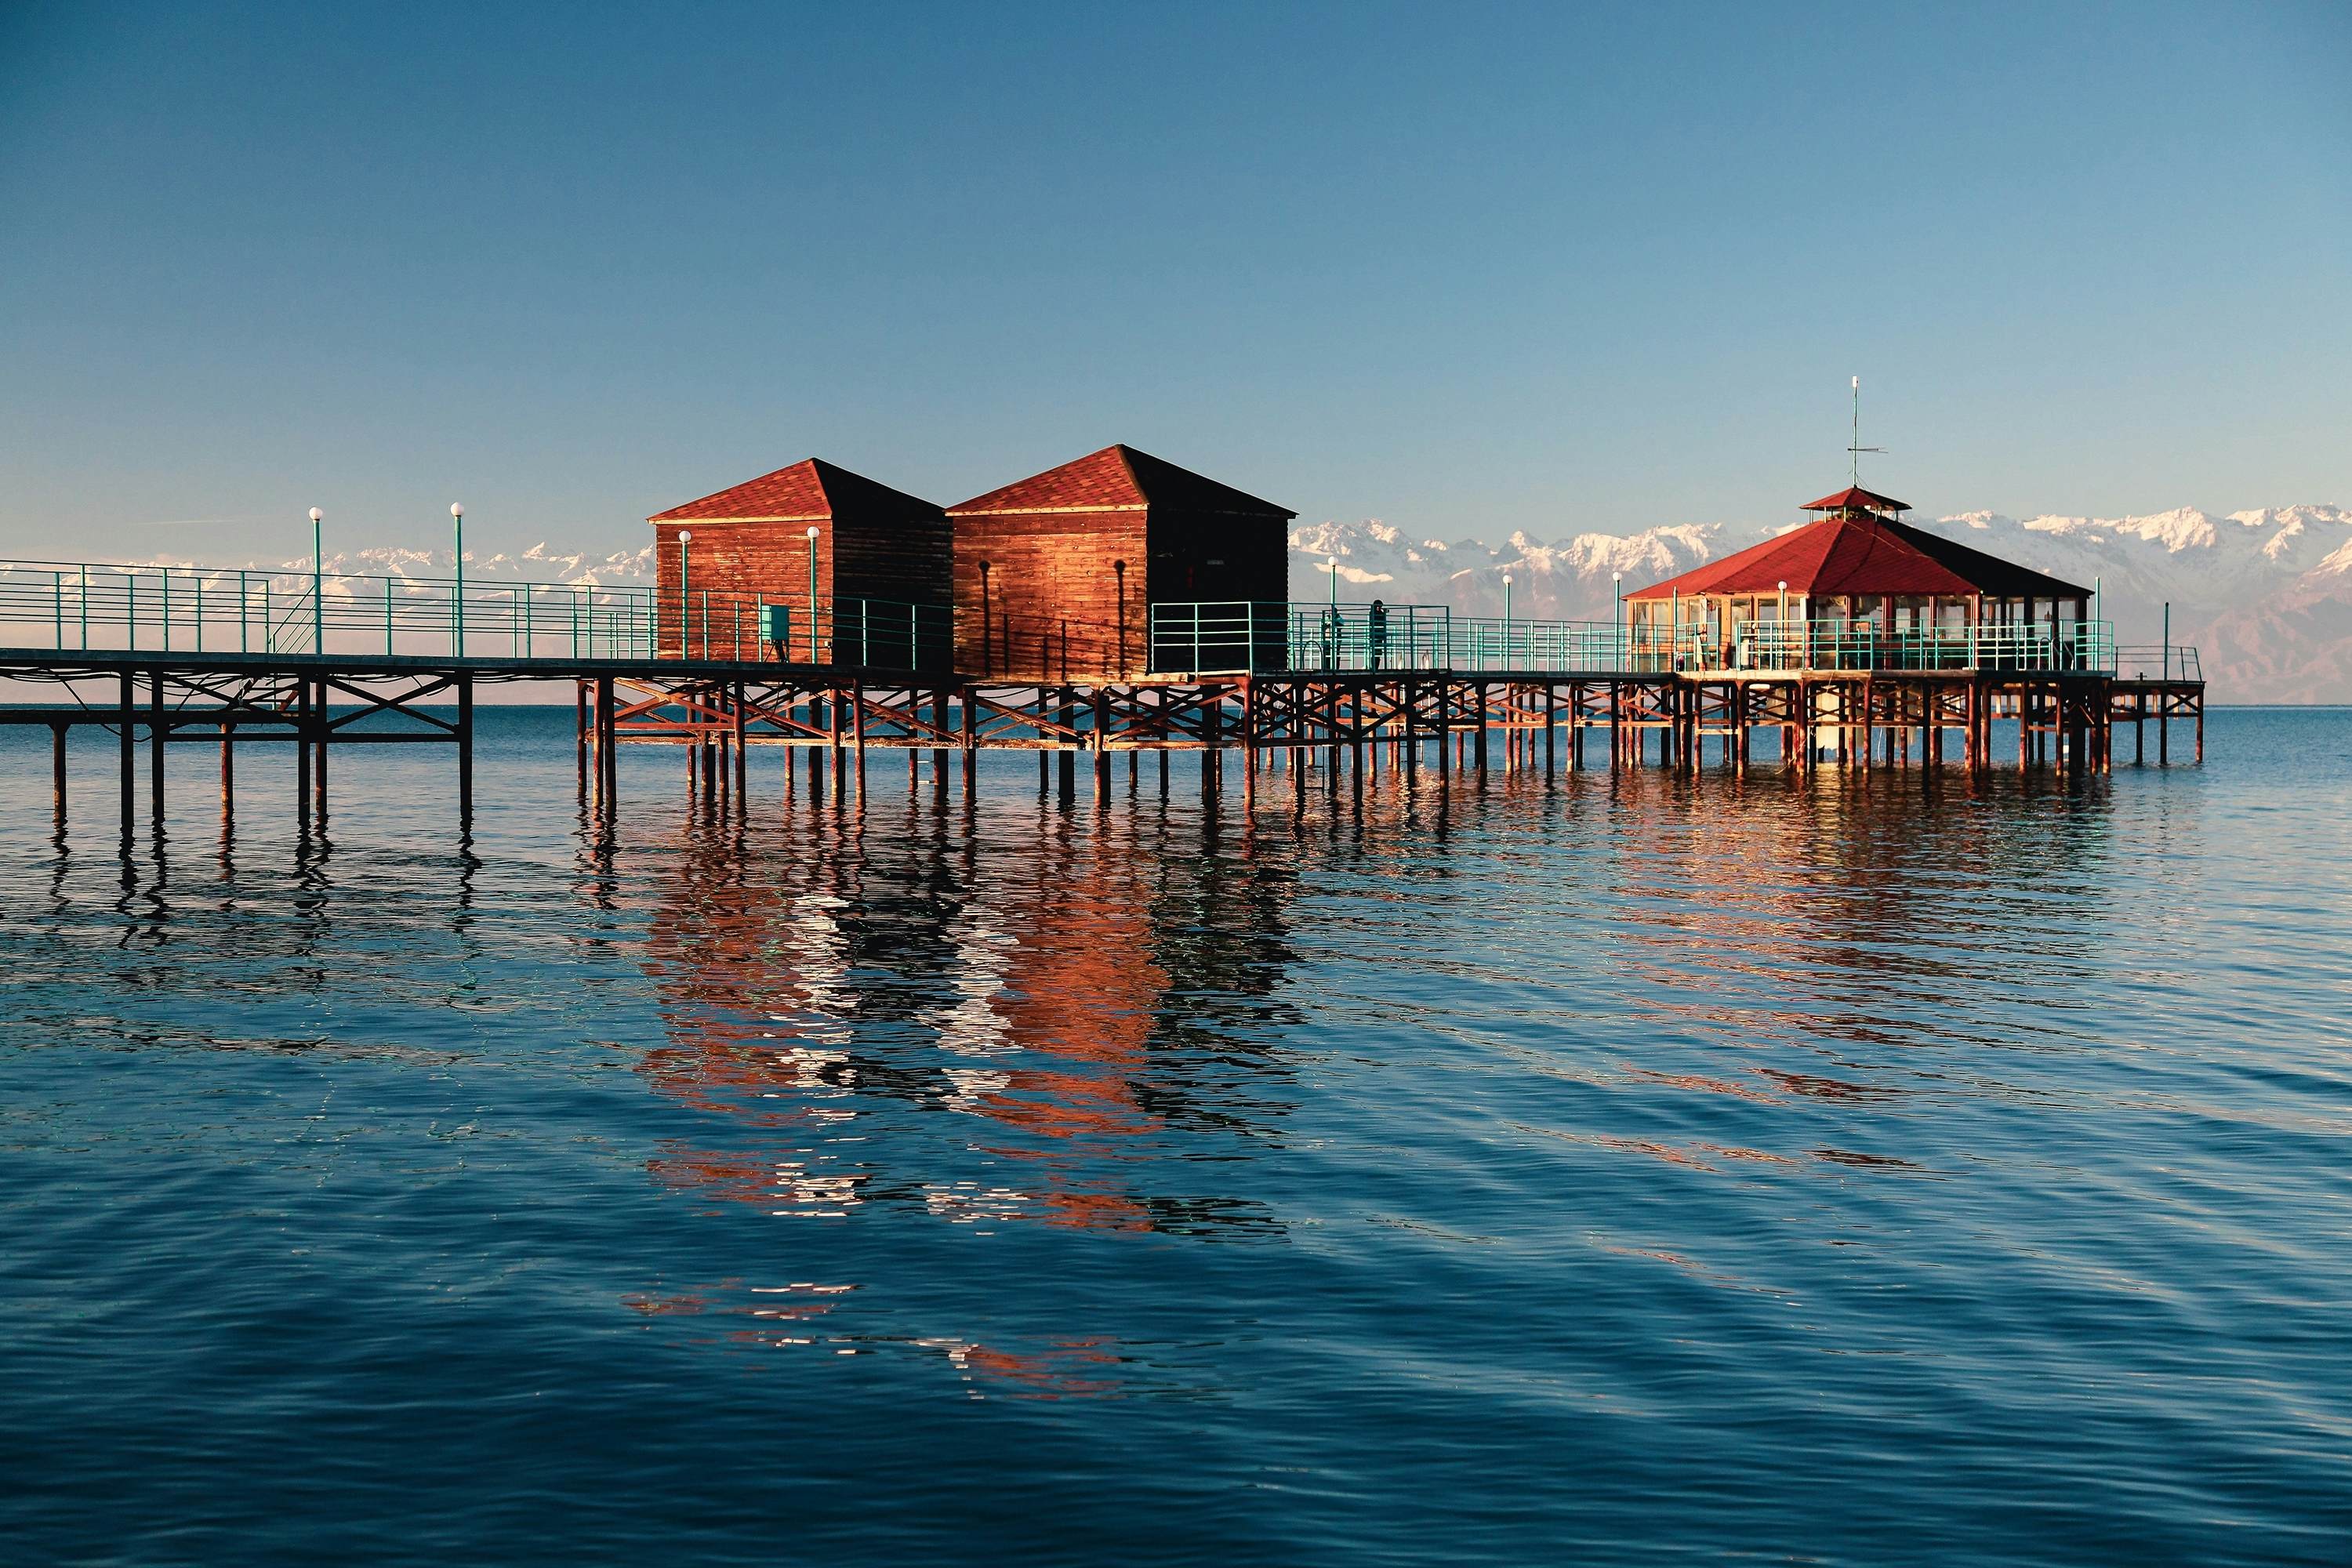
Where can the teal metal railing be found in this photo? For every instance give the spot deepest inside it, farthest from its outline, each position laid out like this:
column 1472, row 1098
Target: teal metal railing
column 89, row 605
column 1265, row 637
column 1261, row 638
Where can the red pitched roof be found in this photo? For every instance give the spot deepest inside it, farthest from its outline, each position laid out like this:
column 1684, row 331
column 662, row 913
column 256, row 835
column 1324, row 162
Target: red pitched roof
column 1864, row 555
column 1856, row 497
column 1118, row 479
column 812, row 491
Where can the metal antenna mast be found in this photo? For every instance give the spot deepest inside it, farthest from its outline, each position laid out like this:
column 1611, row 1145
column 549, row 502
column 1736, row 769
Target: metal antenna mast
column 1857, row 450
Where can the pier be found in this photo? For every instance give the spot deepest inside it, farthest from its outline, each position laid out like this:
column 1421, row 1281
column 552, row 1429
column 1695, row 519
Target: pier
column 1117, row 604
column 1470, row 697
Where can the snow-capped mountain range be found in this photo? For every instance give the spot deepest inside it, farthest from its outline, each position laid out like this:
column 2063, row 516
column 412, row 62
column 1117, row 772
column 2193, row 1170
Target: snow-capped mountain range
column 2265, row 595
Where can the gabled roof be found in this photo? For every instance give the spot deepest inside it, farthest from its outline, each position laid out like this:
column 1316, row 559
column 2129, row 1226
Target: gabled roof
column 1854, row 497
column 811, row 490
column 1118, row 479
column 1859, row 554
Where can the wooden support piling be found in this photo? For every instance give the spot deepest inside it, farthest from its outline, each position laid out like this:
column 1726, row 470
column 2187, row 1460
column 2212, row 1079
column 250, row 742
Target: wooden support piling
column 127, row 719
column 466, row 751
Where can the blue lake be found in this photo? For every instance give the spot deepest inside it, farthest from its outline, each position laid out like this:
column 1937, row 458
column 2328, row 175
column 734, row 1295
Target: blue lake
column 1854, row 1170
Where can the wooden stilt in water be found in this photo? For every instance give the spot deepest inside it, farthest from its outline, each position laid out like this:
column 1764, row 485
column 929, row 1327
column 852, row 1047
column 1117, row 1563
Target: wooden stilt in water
column 1478, row 742
column 1102, row 747
column 466, row 753
column 58, row 772
column 607, row 763
column 318, row 760
column 1552, row 732
column 158, row 727
column 1068, row 755
column 743, row 761
column 970, row 750
column 127, row 720
column 938, row 753
column 857, row 730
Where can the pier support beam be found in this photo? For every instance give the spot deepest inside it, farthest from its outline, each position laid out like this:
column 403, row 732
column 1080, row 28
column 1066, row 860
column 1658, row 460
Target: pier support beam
column 127, row 717
column 466, row 753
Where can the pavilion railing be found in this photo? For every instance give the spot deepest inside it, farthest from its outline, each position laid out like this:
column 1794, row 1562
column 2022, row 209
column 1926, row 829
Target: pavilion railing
column 88, row 605
column 1832, row 645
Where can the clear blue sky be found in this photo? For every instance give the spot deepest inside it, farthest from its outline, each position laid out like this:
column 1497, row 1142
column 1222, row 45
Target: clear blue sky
column 1468, row 269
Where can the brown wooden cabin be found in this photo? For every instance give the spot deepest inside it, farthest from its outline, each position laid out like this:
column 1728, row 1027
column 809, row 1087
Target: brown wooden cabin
column 882, row 580
column 1055, row 574
column 1887, row 588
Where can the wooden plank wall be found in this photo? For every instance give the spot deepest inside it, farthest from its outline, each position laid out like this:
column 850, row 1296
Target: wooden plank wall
column 1218, row 557
column 895, row 556
column 903, row 560
column 738, row 561
column 1053, row 605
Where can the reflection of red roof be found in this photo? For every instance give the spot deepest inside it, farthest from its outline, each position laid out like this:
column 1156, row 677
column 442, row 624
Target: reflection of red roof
column 1118, row 479
column 1857, row 554
column 810, row 492
column 1856, row 497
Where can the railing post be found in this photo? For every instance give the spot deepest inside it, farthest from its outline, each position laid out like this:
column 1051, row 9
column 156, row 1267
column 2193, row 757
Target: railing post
column 57, row 583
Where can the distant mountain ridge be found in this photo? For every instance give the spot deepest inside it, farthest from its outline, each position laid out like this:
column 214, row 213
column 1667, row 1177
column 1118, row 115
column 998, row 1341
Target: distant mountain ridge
column 2265, row 595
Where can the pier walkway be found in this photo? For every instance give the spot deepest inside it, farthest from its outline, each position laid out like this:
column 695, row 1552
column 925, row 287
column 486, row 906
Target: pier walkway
column 177, row 657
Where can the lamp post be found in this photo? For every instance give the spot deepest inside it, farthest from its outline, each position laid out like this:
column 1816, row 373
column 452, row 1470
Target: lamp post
column 812, row 539
column 1617, row 587
column 1506, row 619
column 1781, row 628
column 685, row 591
column 318, row 611
column 457, row 617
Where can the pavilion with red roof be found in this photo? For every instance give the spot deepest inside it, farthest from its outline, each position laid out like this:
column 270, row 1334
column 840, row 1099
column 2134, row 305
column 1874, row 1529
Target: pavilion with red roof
column 1871, row 589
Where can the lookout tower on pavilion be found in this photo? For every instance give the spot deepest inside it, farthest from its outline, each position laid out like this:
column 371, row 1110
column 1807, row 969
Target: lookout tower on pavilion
column 1859, row 588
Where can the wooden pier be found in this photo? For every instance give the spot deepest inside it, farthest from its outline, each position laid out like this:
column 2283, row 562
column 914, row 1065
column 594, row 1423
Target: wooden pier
column 1292, row 731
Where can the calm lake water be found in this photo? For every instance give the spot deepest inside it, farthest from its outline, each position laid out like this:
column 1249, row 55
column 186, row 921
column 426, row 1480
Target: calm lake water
column 1842, row 1171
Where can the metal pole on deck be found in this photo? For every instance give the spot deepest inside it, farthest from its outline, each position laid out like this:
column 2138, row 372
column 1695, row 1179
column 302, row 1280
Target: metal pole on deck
column 685, row 590
column 811, row 552
column 317, row 586
column 457, row 605
column 1617, row 587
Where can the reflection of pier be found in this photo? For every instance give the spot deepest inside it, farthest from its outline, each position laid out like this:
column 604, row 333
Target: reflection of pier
column 1038, row 1038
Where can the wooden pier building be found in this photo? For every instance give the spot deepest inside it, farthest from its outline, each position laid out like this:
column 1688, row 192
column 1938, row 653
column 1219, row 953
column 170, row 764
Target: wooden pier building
column 805, row 555
column 1054, row 575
